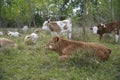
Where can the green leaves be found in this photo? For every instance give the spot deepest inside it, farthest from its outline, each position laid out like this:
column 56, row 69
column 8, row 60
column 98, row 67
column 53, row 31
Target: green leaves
column 22, row 12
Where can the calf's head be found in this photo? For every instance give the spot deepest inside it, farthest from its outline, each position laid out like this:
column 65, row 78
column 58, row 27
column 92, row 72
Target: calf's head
column 53, row 43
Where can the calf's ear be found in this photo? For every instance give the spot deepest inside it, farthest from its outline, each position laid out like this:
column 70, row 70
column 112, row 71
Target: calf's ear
column 56, row 39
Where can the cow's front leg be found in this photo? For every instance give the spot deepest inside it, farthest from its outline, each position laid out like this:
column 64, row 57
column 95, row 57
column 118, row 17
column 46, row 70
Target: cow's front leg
column 117, row 34
column 116, row 38
column 65, row 53
column 101, row 36
column 70, row 35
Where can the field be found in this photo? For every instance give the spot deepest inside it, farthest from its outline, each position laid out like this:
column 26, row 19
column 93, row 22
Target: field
column 33, row 62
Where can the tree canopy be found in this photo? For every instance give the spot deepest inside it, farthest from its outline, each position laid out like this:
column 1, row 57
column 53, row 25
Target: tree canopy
column 16, row 13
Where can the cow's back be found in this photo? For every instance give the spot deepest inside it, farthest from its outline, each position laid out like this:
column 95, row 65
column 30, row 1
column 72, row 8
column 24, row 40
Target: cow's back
column 54, row 27
column 112, row 26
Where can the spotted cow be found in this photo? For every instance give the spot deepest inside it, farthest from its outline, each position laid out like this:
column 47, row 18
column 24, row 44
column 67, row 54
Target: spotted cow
column 112, row 27
column 58, row 27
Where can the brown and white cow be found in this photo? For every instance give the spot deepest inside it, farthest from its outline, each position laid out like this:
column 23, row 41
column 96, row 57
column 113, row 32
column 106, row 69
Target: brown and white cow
column 58, row 27
column 4, row 42
column 64, row 48
column 108, row 28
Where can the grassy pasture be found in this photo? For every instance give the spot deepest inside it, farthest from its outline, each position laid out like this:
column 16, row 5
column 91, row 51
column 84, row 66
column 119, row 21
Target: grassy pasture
column 33, row 62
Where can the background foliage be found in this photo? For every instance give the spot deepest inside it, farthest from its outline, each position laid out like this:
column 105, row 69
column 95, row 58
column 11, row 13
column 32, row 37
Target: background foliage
column 16, row 13
column 36, row 63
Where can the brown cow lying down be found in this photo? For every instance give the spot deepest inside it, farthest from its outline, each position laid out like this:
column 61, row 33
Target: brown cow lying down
column 64, row 47
column 4, row 42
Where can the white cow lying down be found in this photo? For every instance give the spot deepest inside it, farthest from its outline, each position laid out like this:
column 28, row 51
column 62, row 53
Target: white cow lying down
column 31, row 39
column 14, row 34
column 58, row 27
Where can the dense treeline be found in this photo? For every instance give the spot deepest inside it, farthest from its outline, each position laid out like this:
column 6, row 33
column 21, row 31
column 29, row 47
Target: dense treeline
column 16, row 13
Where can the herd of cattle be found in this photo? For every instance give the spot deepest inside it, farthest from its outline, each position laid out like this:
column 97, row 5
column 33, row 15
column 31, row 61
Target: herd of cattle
column 64, row 47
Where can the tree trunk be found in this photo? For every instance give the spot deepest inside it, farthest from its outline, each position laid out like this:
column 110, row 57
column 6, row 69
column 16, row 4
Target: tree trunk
column 85, row 20
column 84, row 17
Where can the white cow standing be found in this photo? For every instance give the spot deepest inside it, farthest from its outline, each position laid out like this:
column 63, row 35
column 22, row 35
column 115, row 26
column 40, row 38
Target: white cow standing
column 59, row 27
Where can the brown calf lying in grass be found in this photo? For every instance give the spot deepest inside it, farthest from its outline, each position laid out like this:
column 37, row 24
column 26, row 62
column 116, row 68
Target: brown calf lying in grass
column 4, row 42
column 64, row 48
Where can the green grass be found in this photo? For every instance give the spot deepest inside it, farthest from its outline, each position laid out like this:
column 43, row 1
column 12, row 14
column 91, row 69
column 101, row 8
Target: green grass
column 35, row 63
